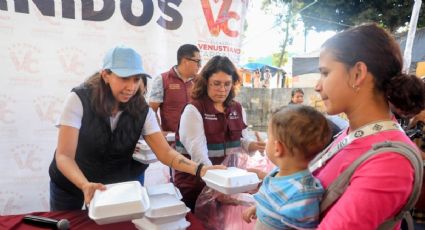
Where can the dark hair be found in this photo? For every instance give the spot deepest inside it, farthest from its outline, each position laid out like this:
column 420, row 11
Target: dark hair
column 296, row 90
column 186, row 51
column 293, row 92
column 411, row 88
column 375, row 47
column 215, row 65
column 144, row 79
column 290, row 124
column 103, row 101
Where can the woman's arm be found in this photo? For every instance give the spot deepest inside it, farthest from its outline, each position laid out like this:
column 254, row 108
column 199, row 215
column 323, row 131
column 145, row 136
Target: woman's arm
column 65, row 161
column 69, row 124
column 171, row 157
column 194, row 142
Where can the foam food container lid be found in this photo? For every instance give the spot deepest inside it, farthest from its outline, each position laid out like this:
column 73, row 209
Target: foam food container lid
column 143, row 145
column 231, row 180
column 164, row 189
column 146, row 224
column 119, row 202
column 165, row 206
column 144, row 154
column 231, row 177
column 171, row 137
column 145, row 158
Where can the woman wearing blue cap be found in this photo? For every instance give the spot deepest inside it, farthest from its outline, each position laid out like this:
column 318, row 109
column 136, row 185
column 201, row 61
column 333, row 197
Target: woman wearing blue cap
column 102, row 121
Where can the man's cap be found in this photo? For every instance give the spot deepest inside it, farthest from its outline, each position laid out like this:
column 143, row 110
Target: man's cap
column 123, row 61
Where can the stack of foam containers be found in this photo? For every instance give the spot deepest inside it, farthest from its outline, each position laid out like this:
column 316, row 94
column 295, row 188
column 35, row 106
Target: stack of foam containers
column 170, row 137
column 231, row 180
column 119, row 202
column 166, row 212
column 144, row 154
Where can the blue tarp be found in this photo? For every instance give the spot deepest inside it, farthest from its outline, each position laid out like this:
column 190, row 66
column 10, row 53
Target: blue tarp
column 252, row 66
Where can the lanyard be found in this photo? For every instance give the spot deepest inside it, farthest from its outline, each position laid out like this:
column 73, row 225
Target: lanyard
column 363, row 131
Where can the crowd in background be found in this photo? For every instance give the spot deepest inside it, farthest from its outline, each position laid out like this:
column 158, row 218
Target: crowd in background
column 361, row 77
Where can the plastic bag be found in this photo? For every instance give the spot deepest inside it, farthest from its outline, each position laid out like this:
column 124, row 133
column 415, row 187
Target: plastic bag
column 219, row 211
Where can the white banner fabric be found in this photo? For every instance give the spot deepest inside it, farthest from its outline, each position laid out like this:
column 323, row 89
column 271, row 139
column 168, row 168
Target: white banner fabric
column 50, row 46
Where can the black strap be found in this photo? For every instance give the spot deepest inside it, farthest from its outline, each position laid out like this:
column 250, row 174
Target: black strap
column 198, row 170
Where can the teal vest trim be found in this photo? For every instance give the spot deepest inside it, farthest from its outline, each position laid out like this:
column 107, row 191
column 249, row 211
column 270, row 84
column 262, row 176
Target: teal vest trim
column 214, row 150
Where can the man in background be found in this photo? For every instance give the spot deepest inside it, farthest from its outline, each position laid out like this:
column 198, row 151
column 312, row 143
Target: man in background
column 172, row 89
column 266, row 79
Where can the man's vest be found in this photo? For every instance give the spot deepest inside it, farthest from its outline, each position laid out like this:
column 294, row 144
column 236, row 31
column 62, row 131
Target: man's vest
column 176, row 96
column 223, row 131
column 104, row 156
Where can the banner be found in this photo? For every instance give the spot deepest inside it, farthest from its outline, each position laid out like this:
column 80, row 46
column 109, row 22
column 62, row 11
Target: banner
column 49, row 46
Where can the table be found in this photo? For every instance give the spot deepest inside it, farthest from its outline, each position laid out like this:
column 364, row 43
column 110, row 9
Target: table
column 79, row 220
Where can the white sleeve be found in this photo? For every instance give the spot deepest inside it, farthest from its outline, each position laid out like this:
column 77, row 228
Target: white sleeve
column 151, row 124
column 157, row 90
column 245, row 140
column 72, row 112
column 192, row 135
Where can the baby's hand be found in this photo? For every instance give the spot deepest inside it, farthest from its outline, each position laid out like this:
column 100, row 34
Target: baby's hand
column 249, row 214
column 260, row 174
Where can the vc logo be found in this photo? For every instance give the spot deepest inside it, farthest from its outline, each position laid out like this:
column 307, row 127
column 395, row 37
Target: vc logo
column 10, row 202
column 71, row 60
column 27, row 157
column 23, row 57
column 221, row 23
column 6, row 114
column 47, row 108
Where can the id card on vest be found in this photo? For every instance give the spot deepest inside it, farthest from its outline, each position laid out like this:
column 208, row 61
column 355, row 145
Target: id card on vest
column 174, row 86
column 210, row 117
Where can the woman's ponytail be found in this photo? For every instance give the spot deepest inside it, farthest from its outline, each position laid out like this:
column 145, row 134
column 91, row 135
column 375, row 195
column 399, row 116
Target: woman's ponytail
column 406, row 93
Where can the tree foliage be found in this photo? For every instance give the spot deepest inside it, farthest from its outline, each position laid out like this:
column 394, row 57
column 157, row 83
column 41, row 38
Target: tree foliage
column 284, row 11
column 337, row 15
column 341, row 14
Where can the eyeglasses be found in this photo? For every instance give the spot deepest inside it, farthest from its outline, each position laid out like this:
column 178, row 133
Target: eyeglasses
column 198, row 61
column 218, row 84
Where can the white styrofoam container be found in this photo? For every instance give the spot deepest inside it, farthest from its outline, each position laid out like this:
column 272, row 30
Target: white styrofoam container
column 143, row 146
column 164, row 189
column 231, row 180
column 165, row 208
column 119, row 202
column 144, row 155
column 145, row 158
column 145, row 224
column 171, row 137
column 167, row 218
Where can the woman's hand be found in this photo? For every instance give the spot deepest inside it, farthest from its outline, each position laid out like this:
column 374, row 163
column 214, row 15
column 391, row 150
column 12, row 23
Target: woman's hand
column 257, row 146
column 249, row 214
column 205, row 168
column 89, row 189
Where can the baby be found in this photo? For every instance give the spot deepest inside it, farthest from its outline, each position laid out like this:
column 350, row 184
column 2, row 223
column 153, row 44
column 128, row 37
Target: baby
column 289, row 196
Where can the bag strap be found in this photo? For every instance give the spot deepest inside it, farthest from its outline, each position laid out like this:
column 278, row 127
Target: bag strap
column 337, row 188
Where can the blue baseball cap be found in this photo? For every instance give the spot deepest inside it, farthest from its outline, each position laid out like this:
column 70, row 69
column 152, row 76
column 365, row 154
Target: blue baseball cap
column 123, row 61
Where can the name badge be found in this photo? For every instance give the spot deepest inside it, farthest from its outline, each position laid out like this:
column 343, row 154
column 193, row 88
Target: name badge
column 210, row 116
column 174, row 86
